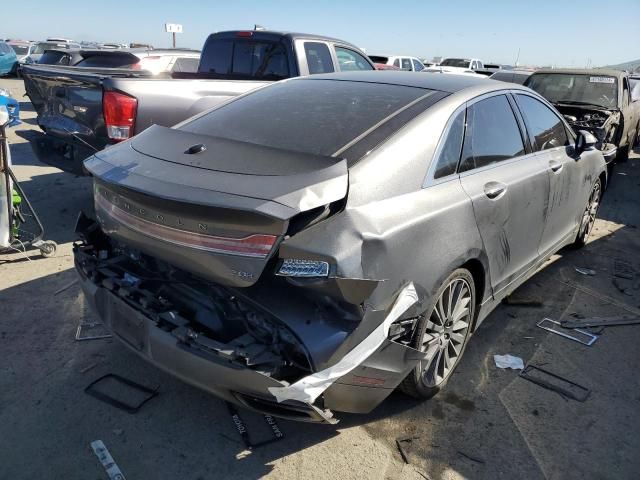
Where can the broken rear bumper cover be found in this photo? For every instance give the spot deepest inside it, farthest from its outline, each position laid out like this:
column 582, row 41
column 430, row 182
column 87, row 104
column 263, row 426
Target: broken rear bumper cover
column 236, row 369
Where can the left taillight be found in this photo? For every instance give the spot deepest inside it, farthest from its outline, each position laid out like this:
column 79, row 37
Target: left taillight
column 119, row 115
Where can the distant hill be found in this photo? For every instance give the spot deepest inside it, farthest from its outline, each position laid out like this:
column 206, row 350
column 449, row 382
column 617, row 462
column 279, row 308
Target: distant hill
column 629, row 66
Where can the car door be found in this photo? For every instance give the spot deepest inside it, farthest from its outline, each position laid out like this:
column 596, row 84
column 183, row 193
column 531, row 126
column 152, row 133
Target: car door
column 349, row 60
column 508, row 186
column 567, row 189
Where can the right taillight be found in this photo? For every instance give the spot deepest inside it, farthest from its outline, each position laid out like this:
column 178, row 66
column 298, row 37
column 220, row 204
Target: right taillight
column 119, row 115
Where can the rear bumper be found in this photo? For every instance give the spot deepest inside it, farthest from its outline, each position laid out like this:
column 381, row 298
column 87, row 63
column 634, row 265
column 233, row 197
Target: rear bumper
column 153, row 324
column 211, row 373
column 60, row 153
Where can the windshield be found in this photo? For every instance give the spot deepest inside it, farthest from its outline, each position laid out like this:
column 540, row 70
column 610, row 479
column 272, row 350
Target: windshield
column 311, row 116
column 41, row 47
column 20, row 49
column 576, row 88
column 455, row 62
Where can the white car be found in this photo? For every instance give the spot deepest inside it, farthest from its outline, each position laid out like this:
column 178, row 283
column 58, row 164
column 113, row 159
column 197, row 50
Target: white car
column 458, row 65
column 411, row 64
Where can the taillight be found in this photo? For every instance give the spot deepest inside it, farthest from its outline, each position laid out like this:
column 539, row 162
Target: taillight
column 244, row 33
column 256, row 245
column 119, row 115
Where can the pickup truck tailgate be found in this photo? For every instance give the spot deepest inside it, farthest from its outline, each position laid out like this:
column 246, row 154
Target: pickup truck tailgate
column 68, row 103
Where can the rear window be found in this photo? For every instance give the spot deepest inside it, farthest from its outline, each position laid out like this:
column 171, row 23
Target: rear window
column 311, row 116
column 20, row 49
column 108, row 61
column 4, row 48
column 54, row 58
column 245, row 59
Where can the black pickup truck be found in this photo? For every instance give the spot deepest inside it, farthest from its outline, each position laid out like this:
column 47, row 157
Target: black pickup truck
column 82, row 110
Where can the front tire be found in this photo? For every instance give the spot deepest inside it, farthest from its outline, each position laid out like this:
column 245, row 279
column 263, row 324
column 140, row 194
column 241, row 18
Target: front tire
column 442, row 331
column 589, row 215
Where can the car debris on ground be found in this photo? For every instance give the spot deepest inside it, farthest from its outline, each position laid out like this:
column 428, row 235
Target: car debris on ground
column 107, row 461
column 551, row 381
column 121, row 392
column 508, row 361
column 583, row 337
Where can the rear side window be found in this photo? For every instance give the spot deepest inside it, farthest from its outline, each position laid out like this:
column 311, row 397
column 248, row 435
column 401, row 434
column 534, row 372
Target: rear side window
column 349, row 60
column 318, row 57
column 245, row 58
column 450, row 152
column 54, row 58
column 305, row 115
column 406, row 64
column 492, row 134
column 544, row 126
column 396, row 63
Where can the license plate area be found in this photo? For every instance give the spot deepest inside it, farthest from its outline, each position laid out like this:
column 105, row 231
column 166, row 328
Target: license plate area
column 126, row 323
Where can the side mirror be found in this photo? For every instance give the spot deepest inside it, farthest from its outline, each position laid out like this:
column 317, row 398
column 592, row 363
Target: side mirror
column 584, row 141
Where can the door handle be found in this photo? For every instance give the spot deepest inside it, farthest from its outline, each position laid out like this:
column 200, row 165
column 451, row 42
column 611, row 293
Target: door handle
column 494, row 189
column 555, row 165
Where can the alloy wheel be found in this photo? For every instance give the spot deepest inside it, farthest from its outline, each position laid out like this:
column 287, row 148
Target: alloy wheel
column 446, row 332
column 589, row 216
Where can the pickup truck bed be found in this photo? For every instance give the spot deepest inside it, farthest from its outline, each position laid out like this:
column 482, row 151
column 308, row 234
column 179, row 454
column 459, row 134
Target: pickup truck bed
column 69, row 104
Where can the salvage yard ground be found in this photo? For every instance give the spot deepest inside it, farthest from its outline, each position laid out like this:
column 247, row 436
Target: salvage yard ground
column 487, row 423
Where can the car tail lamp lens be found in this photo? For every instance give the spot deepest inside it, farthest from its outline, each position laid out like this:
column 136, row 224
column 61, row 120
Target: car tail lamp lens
column 293, row 267
column 256, row 245
column 119, row 115
column 244, row 34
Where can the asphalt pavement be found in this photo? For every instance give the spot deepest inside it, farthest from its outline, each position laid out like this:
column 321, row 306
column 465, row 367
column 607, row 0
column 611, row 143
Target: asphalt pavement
column 488, row 423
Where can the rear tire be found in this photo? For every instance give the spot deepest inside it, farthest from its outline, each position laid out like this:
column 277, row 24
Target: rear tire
column 443, row 331
column 589, row 215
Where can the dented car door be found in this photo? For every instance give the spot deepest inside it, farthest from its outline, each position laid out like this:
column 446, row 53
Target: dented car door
column 569, row 187
column 508, row 186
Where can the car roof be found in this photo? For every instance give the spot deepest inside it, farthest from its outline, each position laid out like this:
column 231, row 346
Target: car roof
column 584, row 71
column 291, row 35
column 449, row 83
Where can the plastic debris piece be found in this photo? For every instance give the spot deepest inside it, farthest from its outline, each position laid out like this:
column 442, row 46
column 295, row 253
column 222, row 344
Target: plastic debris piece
column 583, row 337
column 551, row 381
column 600, row 322
column 508, row 361
column 585, row 271
column 309, row 388
column 107, row 461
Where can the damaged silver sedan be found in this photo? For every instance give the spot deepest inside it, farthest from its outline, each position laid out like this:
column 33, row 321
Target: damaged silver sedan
column 315, row 244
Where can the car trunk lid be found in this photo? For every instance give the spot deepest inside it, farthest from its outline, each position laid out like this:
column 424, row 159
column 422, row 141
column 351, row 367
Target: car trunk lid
column 219, row 212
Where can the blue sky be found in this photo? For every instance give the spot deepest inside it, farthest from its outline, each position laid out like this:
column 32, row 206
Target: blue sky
column 560, row 32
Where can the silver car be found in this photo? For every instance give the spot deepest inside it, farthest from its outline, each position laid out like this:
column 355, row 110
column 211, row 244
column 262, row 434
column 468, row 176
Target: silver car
column 314, row 244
